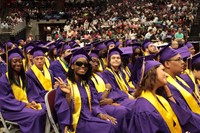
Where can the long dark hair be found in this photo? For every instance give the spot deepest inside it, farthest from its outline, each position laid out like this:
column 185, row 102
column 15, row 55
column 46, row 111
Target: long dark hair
column 148, row 82
column 11, row 76
column 87, row 76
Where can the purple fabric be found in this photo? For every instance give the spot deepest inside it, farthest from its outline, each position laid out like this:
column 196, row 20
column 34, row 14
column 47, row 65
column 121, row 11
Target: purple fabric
column 76, row 57
column 147, row 44
column 196, row 58
column 166, row 53
column 150, row 64
column 94, row 55
column 38, row 53
column 189, row 45
column 184, row 52
column 14, row 55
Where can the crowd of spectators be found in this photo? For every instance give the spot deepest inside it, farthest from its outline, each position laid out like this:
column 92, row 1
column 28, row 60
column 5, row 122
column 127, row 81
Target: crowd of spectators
column 127, row 20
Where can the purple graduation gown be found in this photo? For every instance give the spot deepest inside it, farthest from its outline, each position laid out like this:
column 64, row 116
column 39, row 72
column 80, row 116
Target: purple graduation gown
column 146, row 119
column 29, row 120
column 194, row 122
column 116, row 94
column 58, row 70
column 2, row 68
column 41, row 90
column 88, row 121
column 119, row 112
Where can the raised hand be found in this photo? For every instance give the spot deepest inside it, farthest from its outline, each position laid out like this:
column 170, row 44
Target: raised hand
column 63, row 86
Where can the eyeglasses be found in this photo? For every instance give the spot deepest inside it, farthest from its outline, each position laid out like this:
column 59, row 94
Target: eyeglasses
column 178, row 59
column 79, row 63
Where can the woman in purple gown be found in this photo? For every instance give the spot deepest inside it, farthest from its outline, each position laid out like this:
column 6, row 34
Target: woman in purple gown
column 19, row 100
column 76, row 107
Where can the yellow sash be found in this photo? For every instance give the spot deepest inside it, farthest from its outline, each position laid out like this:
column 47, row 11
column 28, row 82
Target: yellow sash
column 77, row 102
column 128, row 78
column 196, row 88
column 100, row 86
column 168, row 115
column 100, row 68
column 45, row 80
column 190, row 100
column 47, row 62
column 120, row 81
column 20, row 94
column 63, row 65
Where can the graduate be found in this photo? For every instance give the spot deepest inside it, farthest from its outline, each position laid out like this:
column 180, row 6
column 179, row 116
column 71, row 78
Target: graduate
column 191, row 75
column 102, row 90
column 152, row 113
column 19, row 100
column 76, row 107
column 39, row 73
column 115, row 74
column 181, row 91
column 52, row 53
column 59, row 67
column 28, row 60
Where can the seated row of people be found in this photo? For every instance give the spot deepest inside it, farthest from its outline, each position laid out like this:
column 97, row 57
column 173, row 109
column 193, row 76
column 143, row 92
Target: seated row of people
column 154, row 98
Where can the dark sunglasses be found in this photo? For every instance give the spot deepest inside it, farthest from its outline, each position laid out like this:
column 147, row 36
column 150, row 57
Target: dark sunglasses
column 79, row 63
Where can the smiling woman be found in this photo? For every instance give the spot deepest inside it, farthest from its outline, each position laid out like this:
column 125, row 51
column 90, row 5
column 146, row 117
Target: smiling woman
column 19, row 100
column 76, row 95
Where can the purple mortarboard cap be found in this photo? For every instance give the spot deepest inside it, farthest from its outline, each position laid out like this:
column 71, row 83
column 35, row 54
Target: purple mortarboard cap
column 184, row 52
column 38, row 51
column 126, row 50
column 134, row 41
column 166, row 53
column 109, row 42
column 136, row 45
column 61, row 47
column 16, row 52
column 94, row 53
column 80, row 53
column 115, row 51
column 73, row 44
column 88, row 46
column 99, row 46
column 118, row 43
column 9, row 44
column 51, row 45
column 41, row 44
column 146, row 44
column 142, row 66
column 28, row 47
column 194, row 59
column 189, row 45
column 128, row 42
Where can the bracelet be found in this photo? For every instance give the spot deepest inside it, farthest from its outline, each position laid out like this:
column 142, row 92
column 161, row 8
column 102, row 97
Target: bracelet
column 170, row 96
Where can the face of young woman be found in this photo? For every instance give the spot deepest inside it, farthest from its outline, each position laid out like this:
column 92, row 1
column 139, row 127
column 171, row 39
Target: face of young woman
column 115, row 60
column 161, row 76
column 80, row 66
column 16, row 64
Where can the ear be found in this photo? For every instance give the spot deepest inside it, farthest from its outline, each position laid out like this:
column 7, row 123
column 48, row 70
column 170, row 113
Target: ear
column 167, row 64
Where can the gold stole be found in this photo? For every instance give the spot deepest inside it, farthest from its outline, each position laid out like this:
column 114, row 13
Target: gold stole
column 127, row 74
column 76, row 97
column 104, row 62
column 196, row 88
column 120, row 81
column 63, row 65
column 190, row 100
column 166, row 112
column 45, row 80
column 100, row 68
column 20, row 94
column 47, row 62
column 145, row 54
column 100, row 86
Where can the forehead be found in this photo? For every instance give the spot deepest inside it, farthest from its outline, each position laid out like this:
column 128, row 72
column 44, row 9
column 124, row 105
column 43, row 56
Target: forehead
column 115, row 55
column 16, row 58
column 39, row 57
column 176, row 56
column 95, row 58
column 81, row 59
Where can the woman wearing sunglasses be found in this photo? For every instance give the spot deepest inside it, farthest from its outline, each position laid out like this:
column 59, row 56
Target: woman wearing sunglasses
column 76, row 107
column 19, row 100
